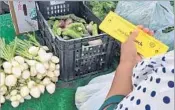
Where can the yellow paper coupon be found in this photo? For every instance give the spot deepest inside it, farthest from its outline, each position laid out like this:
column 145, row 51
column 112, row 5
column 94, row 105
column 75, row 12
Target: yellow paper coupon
column 120, row 29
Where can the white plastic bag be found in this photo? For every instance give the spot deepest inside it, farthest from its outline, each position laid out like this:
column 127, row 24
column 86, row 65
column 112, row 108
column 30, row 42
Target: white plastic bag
column 167, row 38
column 94, row 93
column 152, row 14
column 155, row 15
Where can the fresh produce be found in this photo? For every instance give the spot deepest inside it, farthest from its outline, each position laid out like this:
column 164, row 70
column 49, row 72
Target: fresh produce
column 26, row 70
column 102, row 8
column 72, row 27
column 94, row 30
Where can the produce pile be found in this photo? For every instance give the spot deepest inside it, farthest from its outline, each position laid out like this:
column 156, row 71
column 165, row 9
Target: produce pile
column 26, row 69
column 102, row 8
column 72, row 27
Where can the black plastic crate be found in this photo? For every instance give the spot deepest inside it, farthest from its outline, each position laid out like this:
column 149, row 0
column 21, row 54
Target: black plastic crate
column 77, row 59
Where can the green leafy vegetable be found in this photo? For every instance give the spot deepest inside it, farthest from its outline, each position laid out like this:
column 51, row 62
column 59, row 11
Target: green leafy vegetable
column 101, row 8
column 94, row 30
column 71, row 33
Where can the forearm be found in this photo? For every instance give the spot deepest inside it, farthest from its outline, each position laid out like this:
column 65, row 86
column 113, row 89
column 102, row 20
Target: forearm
column 122, row 83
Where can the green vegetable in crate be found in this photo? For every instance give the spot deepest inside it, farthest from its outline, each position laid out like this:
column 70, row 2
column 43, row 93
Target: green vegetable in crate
column 72, row 16
column 56, row 30
column 73, row 34
column 50, row 23
column 56, row 24
column 101, row 8
column 94, row 30
column 78, row 27
column 78, row 19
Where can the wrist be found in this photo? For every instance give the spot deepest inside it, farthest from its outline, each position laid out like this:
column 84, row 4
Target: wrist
column 127, row 64
column 124, row 69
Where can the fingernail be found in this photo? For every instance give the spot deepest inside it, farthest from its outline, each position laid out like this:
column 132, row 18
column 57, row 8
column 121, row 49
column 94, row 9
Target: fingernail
column 140, row 26
column 136, row 30
column 146, row 30
column 152, row 32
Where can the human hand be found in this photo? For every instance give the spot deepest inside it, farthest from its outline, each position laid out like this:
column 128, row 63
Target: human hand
column 129, row 55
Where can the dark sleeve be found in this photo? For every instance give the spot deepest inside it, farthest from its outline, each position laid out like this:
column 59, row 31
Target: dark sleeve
column 112, row 102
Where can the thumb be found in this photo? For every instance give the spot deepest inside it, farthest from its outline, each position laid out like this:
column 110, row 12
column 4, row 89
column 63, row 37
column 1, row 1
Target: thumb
column 133, row 35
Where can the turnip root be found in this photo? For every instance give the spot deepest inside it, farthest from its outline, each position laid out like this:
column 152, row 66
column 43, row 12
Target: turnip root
column 2, row 78
column 31, row 62
column 33, row 71
column 25, row 74
column 39, row 76
column 46, row 81
column 2, row 99
column 40, row 68
column 54, row 79
column 27, row 97
column 57, row 73
column 16, row 71
column 7, row 65
column 22, row 68
column 33, row 50
column 8, row 71
column 41, row 52
column 25, row 65
column 7, row 97
column 45, row 48
column 55, row 59
column 3, row 89
column 50, row 74
column 15, row 63
column 22, row 100
column 43, row 56
column 46, row 65
column 10, row 80
column 19, row 59
column 35, row 92
column 41, row 88
column 24, row 91
column 13, row 92
column 13, row 98
column 57, row 66
column 31, row 84
column 18, row 97
column 52, row 66
column 15, row 104
column 50, row 88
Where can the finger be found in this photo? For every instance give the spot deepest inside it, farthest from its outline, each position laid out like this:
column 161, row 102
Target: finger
column 140, row 26
column 134, row 34
column 146, row 30
column 151, row 33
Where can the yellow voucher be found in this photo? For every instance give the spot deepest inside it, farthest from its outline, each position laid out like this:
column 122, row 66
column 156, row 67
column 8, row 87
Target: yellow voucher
column 120, row 29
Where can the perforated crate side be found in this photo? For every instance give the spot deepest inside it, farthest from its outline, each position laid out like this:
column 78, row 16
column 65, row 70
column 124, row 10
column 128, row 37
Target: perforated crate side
column 77, row 59
column 83, row 60
column 49, row 10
